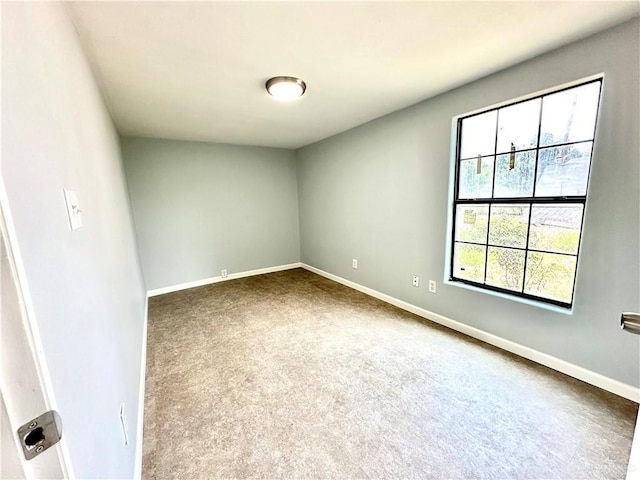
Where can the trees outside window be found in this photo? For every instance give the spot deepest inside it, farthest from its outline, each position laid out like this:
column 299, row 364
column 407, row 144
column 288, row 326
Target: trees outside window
column 522, row 172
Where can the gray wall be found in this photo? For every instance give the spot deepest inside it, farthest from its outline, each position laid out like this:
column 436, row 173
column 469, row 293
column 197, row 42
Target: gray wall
column 86, row 285
column 202, row 207
column 380, row 193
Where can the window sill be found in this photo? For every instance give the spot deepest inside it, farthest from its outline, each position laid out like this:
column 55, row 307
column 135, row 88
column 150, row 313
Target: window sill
column 526, row 301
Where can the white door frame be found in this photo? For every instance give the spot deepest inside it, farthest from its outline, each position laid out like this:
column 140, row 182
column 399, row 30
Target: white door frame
column 633, row 470
column 25, row 383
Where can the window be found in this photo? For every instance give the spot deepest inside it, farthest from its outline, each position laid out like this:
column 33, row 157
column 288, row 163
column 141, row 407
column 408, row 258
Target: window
column 522, row 172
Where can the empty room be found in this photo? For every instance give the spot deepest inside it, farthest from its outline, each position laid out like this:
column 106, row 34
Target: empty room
column 329, row 240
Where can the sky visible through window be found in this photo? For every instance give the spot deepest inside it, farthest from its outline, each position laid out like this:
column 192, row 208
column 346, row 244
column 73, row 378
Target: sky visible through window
column 522, row 174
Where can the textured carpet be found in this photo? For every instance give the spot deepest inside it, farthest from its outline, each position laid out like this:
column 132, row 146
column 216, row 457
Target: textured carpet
column 290, row 375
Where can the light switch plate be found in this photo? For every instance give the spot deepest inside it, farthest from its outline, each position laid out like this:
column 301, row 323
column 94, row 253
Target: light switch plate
column 73, row 209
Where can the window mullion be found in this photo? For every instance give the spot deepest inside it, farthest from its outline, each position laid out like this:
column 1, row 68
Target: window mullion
column 535, row 168
column 526, row 251
column 514, row 200
column 495, row 149
column 552, row 220
column 486, row 247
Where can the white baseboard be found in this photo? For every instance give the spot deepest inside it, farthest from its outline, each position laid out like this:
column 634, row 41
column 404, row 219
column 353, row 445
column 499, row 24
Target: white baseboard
column 588, row 376
column 137, row 473
column 231, row 276
column 143, row 364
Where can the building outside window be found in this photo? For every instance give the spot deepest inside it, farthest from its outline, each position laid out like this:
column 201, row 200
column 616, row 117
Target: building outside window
column 522, row 174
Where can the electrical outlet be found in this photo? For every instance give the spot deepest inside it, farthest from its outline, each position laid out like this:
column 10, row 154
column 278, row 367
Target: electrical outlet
column 125, row 425
column 432, row 286
column 223, row 273
column 354, row 263
column 416, row 281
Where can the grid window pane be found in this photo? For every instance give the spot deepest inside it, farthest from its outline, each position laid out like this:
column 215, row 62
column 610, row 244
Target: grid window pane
column 563, row 171
column 550, row 275
column 505, row 268
column 522, row 174
column 518, row 181
column 478, row 135
column 570, row 116
column 556, row 228
column 509, row 225
column 471, row 223
column 473, row 184
column 518, row 125
column 468, row 261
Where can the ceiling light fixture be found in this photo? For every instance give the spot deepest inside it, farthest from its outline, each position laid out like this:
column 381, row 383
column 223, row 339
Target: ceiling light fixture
column 285, row 88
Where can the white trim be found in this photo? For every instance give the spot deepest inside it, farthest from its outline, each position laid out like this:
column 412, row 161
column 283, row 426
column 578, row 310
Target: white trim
column 31, row 327
column 633, row 469
column 137, row 472
column 539, row 93
column 512, row 298
column 614, row 386
column 452, row 185
column 231, row 276
column 143, row 362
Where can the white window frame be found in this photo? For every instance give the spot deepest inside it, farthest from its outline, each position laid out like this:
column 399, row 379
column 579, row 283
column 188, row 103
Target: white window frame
column 449, row 278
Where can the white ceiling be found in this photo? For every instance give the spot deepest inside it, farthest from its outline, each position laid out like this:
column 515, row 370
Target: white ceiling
column 196, row 70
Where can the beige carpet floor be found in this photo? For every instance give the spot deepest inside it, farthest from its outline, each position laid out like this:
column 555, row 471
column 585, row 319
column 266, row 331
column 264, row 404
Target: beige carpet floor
column 290, row 375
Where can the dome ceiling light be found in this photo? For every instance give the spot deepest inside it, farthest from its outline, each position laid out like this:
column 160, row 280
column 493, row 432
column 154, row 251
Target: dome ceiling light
column 285, row 88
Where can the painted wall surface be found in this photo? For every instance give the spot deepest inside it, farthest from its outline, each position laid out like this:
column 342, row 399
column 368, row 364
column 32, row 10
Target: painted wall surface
column 380, row 193
column 202, row 207
column 10, row 462
column 86, row 285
